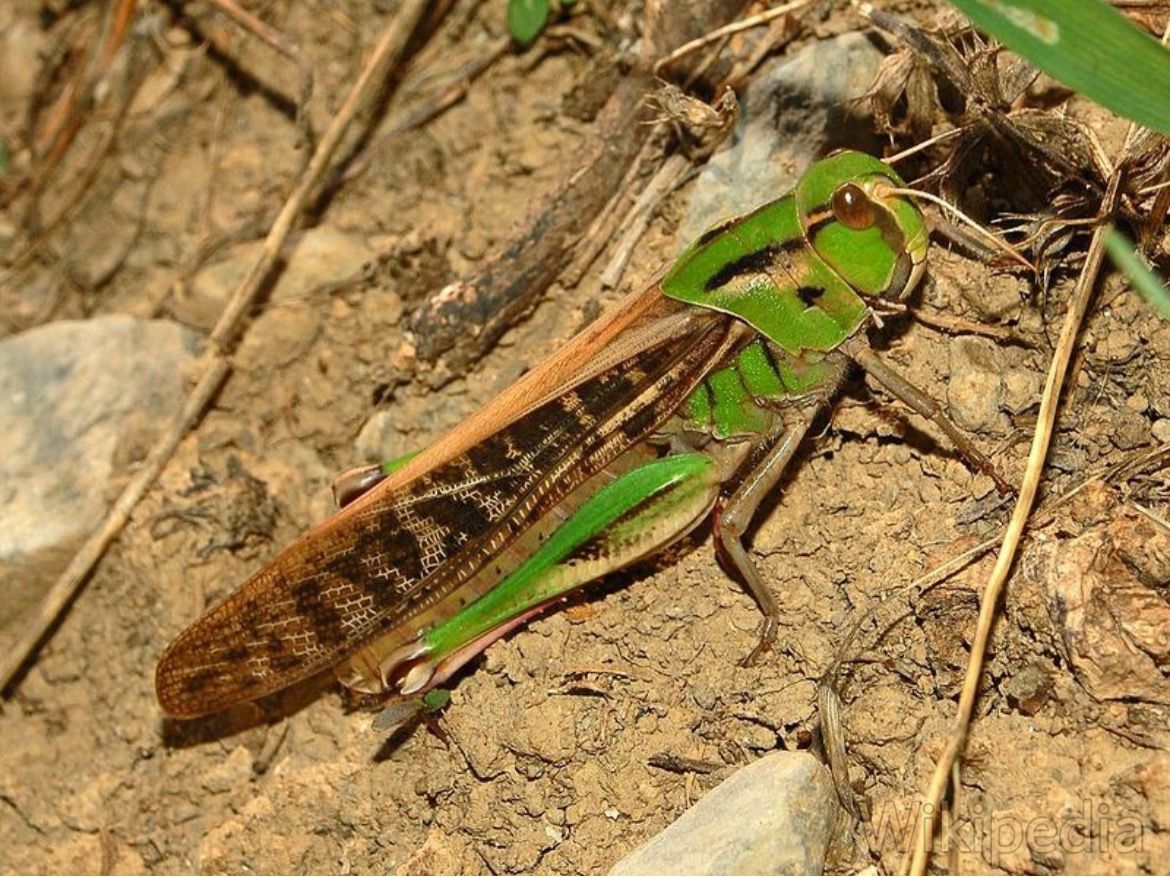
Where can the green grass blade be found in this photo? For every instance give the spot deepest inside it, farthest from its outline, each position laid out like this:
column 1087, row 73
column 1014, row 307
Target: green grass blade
column 1142, row 279
column 1090, row 47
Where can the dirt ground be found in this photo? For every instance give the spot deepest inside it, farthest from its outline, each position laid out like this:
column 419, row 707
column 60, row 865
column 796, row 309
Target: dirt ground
column 544, row 759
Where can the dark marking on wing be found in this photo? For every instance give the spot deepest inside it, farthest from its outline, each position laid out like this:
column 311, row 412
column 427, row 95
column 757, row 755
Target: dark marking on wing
column 810, row 295
column 752, row 263
column 709, row 392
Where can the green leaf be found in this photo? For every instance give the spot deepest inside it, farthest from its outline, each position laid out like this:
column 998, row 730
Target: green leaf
column 1142, row 279
column 526, row 19
column 1090, row 47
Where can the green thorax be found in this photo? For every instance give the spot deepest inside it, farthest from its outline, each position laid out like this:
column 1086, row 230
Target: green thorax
column 796, row 269
column 737, row 399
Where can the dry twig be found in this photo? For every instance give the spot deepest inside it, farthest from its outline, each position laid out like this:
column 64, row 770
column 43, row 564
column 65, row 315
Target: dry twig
column 668, row 177
column 919, row 848
column 68, row 115
column 735, row 27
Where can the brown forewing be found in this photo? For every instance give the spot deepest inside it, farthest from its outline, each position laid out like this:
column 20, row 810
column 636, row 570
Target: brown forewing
column 425, row 531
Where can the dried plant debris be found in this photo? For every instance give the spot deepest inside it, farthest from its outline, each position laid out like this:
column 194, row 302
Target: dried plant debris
column 1032, row 164
column 954, row 75
column 1153, row 15
column 700, row 127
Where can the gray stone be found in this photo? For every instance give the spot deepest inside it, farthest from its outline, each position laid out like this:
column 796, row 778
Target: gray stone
column 774, row 816
column 75, row 398
column 795, row 110
column 974, row 388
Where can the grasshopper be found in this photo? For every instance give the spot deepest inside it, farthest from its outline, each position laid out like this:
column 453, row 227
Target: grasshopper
column 688, row 399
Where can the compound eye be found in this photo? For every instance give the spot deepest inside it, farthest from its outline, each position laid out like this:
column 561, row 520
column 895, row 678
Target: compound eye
column 853, row 208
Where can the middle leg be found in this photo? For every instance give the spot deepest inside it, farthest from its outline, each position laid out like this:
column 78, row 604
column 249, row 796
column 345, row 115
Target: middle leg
column 733, row 517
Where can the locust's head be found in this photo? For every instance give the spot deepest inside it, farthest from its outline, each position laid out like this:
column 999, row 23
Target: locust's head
column 873, row 238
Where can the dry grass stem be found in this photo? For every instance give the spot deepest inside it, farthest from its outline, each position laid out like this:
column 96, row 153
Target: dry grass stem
column 923, row 830
column 924, row 145
column 671, row 173
column 735, row 27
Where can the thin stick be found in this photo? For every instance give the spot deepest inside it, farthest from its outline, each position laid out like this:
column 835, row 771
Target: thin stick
column 727, row 30
column 425, row 109
column 669, row 175
column 919, row 851
column 925, row 144
column 69, row 117
column 214, row 361
column 1156, row 187
column 604, row 226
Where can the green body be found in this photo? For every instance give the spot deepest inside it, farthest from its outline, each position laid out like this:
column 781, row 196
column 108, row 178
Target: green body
column 796, row 276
